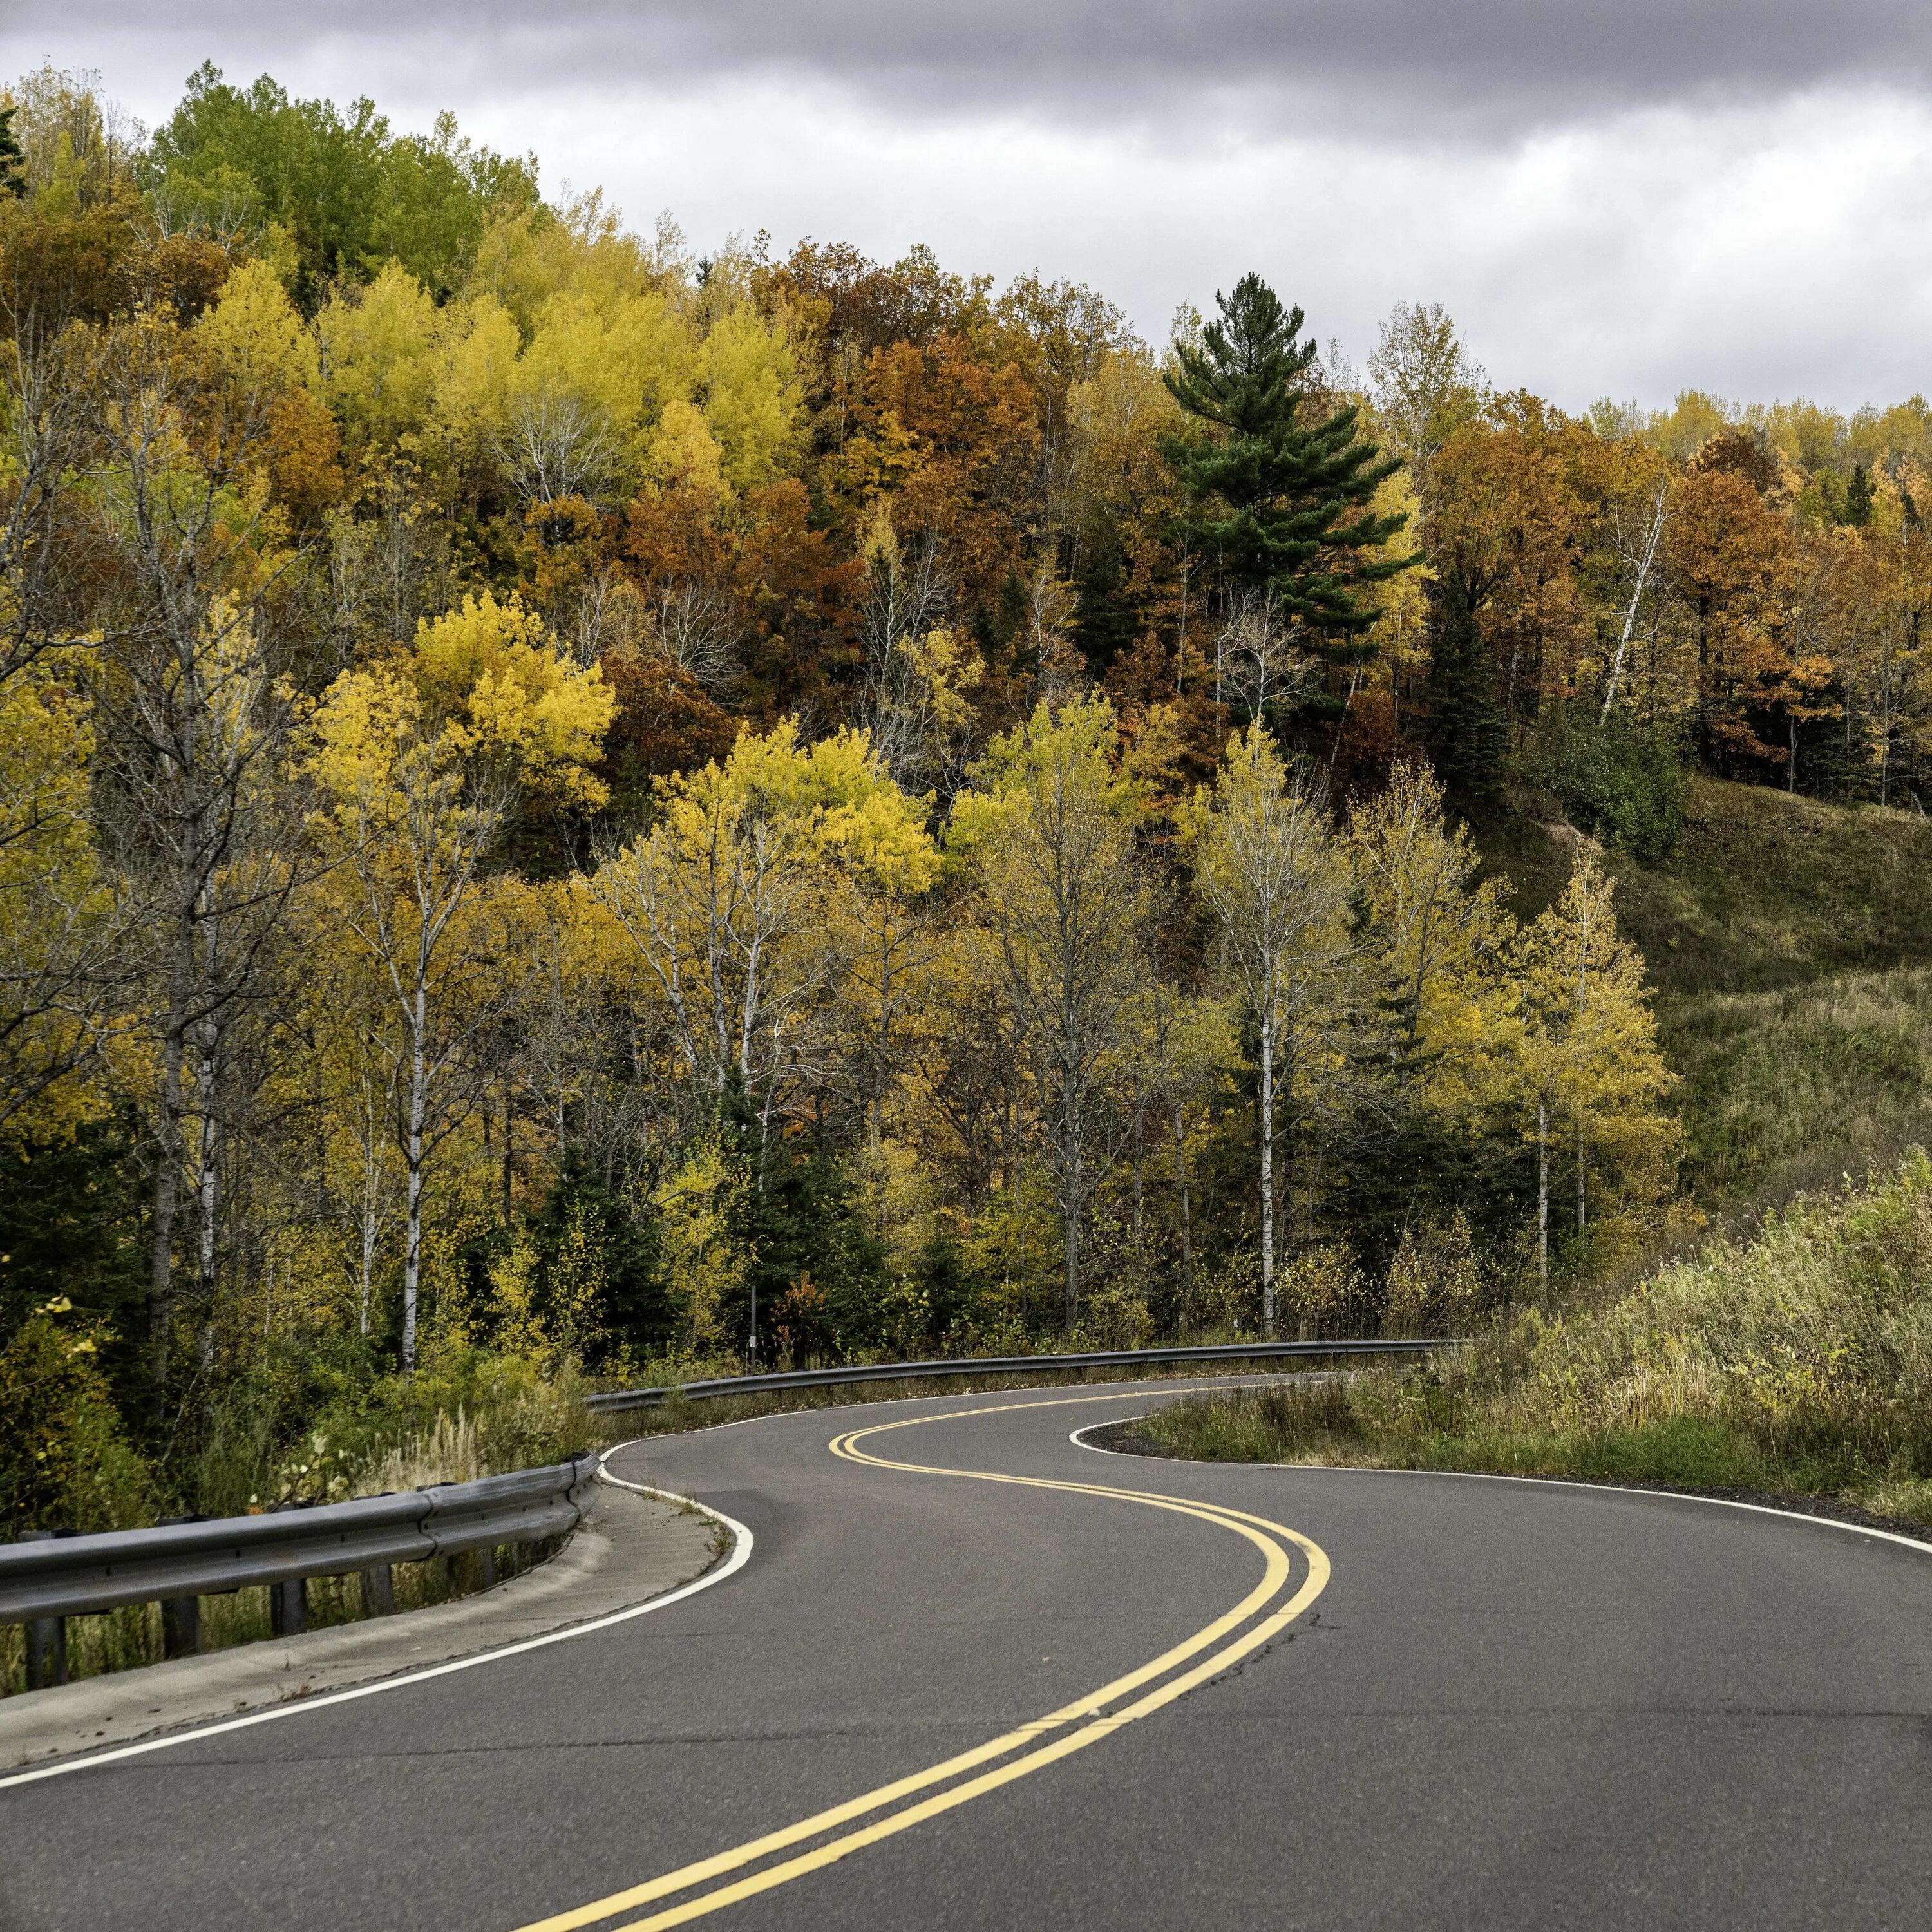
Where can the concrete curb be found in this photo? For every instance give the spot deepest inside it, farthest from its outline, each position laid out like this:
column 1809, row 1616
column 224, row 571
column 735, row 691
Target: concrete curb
column 632, row 1548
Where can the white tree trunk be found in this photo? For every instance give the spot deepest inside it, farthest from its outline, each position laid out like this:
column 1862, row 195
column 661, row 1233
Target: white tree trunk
column 413, row 1158
column 1543, row 1193
column 1180, row 1183
column 1636, row 598
column 1268, row 1174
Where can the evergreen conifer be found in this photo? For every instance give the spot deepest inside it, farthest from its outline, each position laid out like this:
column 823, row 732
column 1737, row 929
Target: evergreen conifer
column 12, row 160
column 1858, row 497
column 1467, row 734
column 1283, row 501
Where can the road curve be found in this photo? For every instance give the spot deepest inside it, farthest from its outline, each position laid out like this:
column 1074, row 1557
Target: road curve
column 975, row 1675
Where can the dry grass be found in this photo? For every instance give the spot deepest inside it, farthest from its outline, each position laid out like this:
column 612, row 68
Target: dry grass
column 1790, row 944
column 1800, row 1362
column 1795, row 1090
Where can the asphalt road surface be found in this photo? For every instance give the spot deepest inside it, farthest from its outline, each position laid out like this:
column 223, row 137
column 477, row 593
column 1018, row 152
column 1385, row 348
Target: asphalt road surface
column 1081, row 1690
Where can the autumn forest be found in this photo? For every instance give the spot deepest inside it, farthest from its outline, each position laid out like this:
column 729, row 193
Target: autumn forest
column 572, row 809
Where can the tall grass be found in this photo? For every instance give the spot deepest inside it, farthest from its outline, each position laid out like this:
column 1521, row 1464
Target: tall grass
column 1799, row 1362
column 1790, row 1089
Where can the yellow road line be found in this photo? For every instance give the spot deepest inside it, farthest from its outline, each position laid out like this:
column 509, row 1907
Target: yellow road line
column 1088, row 1713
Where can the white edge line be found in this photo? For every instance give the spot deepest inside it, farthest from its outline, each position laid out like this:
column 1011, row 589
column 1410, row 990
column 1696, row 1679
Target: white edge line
column 1542, row 1482
column 741, row 1553
column 1133, row 1385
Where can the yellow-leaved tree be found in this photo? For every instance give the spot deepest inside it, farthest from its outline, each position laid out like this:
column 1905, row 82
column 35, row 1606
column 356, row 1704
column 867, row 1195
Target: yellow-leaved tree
column 58, row 934
column 1591, row 1068
column 736, row 897
column 1048, row 832
column 1271, row 867
column 752, row 395
column 254, row 334
column 381, row 357
column 1441, row 942
column 425, row 758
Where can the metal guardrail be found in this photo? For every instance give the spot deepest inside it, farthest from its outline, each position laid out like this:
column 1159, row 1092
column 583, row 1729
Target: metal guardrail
column 618, row 1400
column 49, row 1577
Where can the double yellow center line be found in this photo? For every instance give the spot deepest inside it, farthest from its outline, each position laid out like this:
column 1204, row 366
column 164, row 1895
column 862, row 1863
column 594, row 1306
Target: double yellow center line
column 907, row 1801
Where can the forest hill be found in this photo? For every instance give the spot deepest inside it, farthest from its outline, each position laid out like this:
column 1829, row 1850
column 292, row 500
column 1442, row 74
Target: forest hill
column 557, row 793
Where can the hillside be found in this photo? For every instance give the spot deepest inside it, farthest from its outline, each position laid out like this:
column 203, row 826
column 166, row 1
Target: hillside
column 1790, row 944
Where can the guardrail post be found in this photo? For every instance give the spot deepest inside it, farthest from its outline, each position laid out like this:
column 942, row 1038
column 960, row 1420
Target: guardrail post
column 288, row 1602
column 180, row 1627
column 288, row 1607
column 180, row 1616
column 47, row 1637
column 46, row 1652
column 379, row 1590
column 486, row 1567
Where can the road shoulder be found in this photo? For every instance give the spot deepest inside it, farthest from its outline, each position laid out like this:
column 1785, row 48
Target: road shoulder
column 633, row 1548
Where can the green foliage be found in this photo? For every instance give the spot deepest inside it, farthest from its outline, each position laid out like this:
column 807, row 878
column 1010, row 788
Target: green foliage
column 1620, row 779
column 1466, row 731
column 1858, row 497
column 1283, row 502
column 600, row 1259
column 343, row 193
column 324, row 1423
column 580, row 1283
column 1410, row 1166
column 13, row 160
column 65, row 1462
column 802, row 1227
column 242, row 1436
column 69, row 1226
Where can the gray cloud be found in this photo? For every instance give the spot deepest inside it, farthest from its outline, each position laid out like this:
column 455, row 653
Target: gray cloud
column 1423, row 69
column 1627, row 197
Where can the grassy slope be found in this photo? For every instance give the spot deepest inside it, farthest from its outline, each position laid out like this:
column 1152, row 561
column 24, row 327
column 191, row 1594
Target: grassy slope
column 1791, row 946
column 1798, row 1362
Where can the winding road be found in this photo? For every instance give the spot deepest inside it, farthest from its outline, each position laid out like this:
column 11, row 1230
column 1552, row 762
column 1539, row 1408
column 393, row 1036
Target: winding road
column 972, row 1673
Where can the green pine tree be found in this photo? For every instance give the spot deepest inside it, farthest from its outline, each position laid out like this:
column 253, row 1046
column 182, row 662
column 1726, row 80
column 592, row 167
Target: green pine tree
column 1283, row 502
column 1859, row 495
column 12, row 160
column 1467, row 734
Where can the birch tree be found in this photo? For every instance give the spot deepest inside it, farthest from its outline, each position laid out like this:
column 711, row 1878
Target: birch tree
column 1637, row 543
column 732, row 898
column 1049, row 831
column 1272, row 870
column 425, row 759
column 195, row 719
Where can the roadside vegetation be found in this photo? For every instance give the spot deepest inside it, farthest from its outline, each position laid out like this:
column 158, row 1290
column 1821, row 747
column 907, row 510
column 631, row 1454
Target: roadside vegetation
column 1799, row 1362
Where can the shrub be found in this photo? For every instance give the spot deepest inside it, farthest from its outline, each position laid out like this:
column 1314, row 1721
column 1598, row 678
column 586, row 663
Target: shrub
column 1620, row 780
column 1433, row 1285
column 64, row 1463
column 1325, row 1293
column 1114, row 1318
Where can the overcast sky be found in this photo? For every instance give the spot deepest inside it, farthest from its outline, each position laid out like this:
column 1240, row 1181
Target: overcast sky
column 1622, row 197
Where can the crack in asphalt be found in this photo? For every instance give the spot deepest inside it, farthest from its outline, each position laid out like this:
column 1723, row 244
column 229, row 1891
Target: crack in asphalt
column 1219, row 1719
